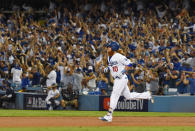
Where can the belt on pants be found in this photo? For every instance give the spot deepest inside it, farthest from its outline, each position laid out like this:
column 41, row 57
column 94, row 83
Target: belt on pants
column 117, row 77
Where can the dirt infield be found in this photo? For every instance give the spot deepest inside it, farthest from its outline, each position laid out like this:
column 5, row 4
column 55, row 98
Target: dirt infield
column 93, row 121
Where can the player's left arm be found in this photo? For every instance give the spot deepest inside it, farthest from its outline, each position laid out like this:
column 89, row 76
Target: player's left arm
column 127, row 67
column 128, row 64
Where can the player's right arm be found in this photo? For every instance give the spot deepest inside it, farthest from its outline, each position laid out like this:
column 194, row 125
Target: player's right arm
column 125, row 61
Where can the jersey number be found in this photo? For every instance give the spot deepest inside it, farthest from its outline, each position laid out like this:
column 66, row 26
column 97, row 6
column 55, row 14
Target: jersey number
column 115, row 68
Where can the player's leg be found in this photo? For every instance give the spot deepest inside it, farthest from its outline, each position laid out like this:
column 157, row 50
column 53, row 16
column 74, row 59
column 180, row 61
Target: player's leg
column 134, row 95
column 118, row 87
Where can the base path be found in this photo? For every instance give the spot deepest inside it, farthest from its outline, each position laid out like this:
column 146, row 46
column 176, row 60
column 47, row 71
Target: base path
column 93, row 121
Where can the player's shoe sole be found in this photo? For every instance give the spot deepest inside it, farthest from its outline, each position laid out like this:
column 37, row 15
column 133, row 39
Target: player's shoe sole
column 104, row 119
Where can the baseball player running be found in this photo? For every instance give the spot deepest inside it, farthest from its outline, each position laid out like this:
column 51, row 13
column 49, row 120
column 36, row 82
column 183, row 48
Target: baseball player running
column 118, row 65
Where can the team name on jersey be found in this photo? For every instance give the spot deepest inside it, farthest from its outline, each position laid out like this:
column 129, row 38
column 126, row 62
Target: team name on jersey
column 112, row 63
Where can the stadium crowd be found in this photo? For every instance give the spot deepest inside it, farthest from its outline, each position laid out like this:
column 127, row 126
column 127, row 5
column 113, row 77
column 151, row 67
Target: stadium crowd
column 66, row 45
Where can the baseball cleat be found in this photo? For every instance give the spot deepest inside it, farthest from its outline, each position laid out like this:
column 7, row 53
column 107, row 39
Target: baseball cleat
column 106, row 118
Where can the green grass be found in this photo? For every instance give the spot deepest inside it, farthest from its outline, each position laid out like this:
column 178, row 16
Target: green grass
column 16, row 113
column 102, row 129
